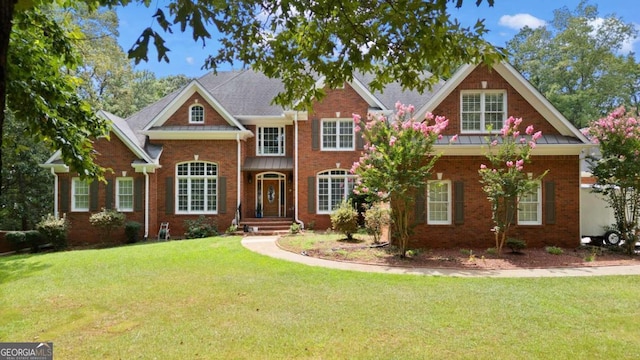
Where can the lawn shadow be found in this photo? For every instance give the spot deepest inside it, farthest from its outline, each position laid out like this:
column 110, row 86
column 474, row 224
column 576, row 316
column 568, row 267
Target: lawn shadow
column 19, row 267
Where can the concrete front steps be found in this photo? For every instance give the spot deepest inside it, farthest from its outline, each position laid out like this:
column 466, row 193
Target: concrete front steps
column 265, row 226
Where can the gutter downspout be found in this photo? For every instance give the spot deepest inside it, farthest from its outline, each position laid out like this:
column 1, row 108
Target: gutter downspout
column 55, row 193
column 295, row 173
column 236, row 215
column 146, row 203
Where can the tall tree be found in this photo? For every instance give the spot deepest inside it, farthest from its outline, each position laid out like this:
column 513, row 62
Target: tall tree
column 575, row 62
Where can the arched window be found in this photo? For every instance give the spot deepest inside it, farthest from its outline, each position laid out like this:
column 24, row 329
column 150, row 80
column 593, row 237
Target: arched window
column 197, row 188
column 196, row 114
column 333, row 187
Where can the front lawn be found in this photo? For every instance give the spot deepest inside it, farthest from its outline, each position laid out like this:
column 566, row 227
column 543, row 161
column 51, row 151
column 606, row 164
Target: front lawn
column 213, row 299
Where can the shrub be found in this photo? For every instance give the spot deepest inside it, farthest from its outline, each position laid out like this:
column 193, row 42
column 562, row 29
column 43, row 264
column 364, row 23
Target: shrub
column 516, row 245
column 376, row 218
column 492, row 251
column 231, row 229
column 132, row 230
column 200, row 228
column 34, row 239
column 311, row 225
column 17, row 239
column 54, row 230
column 294, row 228
column 344, row 219
column 106, row 221
column 554, row 250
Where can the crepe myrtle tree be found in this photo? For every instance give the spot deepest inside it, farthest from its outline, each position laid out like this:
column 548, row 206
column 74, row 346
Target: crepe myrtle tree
column 397, row 162
column 504, row 180
column 617, row 171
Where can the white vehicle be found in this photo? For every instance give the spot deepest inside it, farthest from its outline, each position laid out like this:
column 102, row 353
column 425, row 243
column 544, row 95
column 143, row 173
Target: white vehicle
column 596, row 218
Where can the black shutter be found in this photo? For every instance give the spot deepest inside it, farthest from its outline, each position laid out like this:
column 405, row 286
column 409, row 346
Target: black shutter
column 108, row 195
column 420, row 207
column 222, row 195
column 550, row 202
column 138, row 185
column 359, row 141
column 93, row 195
column 458, row 205
column 315, row 134
column 168, row 197
column 65, row 194
column 311, row 195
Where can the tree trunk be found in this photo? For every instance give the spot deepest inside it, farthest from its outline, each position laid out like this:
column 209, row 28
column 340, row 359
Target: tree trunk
column 6, row 22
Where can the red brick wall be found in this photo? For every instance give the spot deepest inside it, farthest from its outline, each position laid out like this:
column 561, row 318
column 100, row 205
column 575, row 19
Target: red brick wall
column 517, row 106
column 181, row 116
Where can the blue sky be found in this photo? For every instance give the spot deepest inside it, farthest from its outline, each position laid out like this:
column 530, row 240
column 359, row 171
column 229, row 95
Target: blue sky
column 503, row 20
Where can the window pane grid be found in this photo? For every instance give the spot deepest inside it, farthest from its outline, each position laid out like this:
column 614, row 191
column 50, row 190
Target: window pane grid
column 333, row 187
column 530, row 208
column 271, row 141
column 125, row 195
column 197, row 187
column 439, row 203
column 197, row 114
column 482, row 111
column 80, row 195
column 337, row 134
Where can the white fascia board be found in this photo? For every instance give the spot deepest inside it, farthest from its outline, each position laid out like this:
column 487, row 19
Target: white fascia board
column 480, row 150
column 366, row 94
column 301, row 115
column 198, row 135
column 57, row 168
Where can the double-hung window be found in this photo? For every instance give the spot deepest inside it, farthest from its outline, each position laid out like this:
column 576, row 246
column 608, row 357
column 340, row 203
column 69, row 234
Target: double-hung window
column 79, row 195
column 481, row 111
column 124, row 194
column 530, row 208
column 197, row 191
column 196, row 114
column 333, row 187
column 338, row 134
column 270, row 140
column 439, row 202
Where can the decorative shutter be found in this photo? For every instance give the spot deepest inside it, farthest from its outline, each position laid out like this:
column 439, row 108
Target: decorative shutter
column 222, row 195
column 108, row 195
column 359, row 141
column 65, row 194
column 311, row 195
column 458, row 205
column 315, row 134
column 168, row 196
column 420, row 205
column 93, row 195
column 550, row 202
column 138, row 185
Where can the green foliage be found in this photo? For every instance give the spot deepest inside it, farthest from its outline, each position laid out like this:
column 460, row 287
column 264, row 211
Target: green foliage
column 295, row 228
column 575, row 60
column 376, row 218
column 54, row 230
column 106, row 221
column 231, row 229
column 397, row 162
column 200, row 228
column 132, row 231
column 344, row 219
column 554, row 250
column 492, row 251
column 504, row 180
column 616, row 170
column 516, row 245
column 17, row 239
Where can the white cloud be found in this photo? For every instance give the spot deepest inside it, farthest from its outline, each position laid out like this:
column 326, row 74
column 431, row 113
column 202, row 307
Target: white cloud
column 627, row 45
column 189, row 60
column 518, row 21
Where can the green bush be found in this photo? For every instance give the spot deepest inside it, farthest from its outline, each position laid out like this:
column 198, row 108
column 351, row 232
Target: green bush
column 344, row 219
column 200, row 228
column 54, row 231
column 375, row 219
column 17, row 239
column 554, row 250
column 106, row 221
column 294, row 228
column 132, row 231
column 516, row 245
column 34, row 239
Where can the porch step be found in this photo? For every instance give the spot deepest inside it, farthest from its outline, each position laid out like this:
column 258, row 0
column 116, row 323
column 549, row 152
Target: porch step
column 266, row 226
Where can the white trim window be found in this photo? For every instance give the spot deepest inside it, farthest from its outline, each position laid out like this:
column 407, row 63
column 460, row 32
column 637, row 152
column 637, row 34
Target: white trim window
column 439, row 202
column 270, row 140
column 530, row 208
column 481, row 111
column 337, row 135
column 196, row 114
column 124, row 194
column 333, row 187
column 79, row 195
column 197, row 188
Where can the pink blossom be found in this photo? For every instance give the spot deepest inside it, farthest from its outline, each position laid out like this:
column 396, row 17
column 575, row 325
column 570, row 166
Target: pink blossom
column 454, row 138
column 392, row 140
column 411, row 109
column 356, row 118
column 516, row 134
column 483, row 166
column 509, row 164
column 529, row 130
column 357, row 128
column 523, row 140
column 517, row 122
column 532, row 144
column 537, row 136
column 520, row 164
column 494, row 143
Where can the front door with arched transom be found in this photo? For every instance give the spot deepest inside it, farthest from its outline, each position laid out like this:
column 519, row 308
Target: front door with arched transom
column 271, row 194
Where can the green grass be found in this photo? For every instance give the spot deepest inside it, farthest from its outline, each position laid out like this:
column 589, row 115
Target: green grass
column 212, row 299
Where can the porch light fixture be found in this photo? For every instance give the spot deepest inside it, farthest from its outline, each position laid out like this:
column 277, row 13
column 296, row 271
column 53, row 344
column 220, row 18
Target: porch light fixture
column 337, row 114
column 124, row 174
column 484, row 84
column 439, row 175
column 250, row 178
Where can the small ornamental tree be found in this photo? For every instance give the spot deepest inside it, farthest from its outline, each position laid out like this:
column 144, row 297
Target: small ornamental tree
column 504, row 179
column 396, row 164
column 106, row 221
column 617, row 171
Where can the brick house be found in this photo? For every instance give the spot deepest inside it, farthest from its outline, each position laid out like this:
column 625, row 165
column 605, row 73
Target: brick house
column 219, row 148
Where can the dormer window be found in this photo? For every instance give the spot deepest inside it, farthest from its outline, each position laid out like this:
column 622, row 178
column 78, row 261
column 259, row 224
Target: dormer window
column 481, row 111
column 196, row 114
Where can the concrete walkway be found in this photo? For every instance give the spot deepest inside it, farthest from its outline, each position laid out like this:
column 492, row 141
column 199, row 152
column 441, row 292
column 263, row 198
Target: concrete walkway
column 266, row 245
